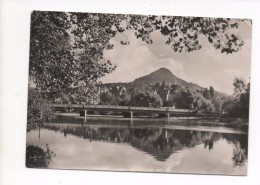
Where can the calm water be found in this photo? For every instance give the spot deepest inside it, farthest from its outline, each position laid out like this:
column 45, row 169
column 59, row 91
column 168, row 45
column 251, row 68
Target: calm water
column 137, row 148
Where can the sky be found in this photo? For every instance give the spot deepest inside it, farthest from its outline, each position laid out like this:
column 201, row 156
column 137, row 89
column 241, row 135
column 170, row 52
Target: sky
column 206, row 67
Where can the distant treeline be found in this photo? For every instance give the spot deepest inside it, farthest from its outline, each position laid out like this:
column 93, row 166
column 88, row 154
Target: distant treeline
column 181, row 97
column 153, row 95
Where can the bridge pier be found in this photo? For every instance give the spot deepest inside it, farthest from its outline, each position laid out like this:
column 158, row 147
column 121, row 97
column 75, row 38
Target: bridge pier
column 85, row 115
column 168, row 115
column 131, row 114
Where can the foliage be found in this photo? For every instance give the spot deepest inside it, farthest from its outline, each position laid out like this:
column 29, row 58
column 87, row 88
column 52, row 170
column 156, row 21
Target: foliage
column 125, row 98
column 184, row 100
column 239, row 87
column 212, row 91
column 107, row 98
column 117, row 95
column 59, row 61
column 239, row 155
column 66, row 49
column 39, row 111
column 183, row 33
column 186, row 97
column 206, row 106
column 203, row 104
column 171, row 95
column 146, row 99
column 239, row 105
column 36, row 157
column 217, row 103
column 51, row 61
column 207, row 94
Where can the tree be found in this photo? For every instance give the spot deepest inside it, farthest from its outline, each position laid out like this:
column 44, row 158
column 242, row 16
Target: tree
column 206, row 106
column 184, row 100
column 245, row 100
column 66, row 49
column 50, row 52
column 39, row 111
column 154, row 100
column 207, row 94
column 242, row 97
column 239, row 87
column 107, row 98
column 239, row 105
column 163, row 90
column 146, row 99
column 211, row 91
column 125, row 98
column 183, row 33
column 217, row 103
column 59, row 61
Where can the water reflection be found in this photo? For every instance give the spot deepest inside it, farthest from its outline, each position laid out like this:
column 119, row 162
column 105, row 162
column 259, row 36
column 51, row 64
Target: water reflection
column 160, row 143
column 239, row 155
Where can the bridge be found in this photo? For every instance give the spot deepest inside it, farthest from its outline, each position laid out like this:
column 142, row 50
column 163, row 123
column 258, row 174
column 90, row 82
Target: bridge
column 168, row 111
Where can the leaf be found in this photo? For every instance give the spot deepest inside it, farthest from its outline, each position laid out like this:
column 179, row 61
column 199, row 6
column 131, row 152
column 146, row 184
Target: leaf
column 210, row 39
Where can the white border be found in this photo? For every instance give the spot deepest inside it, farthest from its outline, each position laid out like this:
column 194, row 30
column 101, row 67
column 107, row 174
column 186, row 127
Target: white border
column 14, row 44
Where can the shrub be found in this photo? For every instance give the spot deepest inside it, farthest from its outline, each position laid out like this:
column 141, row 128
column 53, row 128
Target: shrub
column 39, row 110
column 36, row 157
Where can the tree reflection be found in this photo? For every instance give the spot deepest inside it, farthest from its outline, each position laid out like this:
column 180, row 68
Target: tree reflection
column 158, row 142
column 208, row 143
column 240, row 151
column 239, row 155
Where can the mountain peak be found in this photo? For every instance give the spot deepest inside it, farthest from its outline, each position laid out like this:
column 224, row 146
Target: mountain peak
column 160, row 75
column 164, row 69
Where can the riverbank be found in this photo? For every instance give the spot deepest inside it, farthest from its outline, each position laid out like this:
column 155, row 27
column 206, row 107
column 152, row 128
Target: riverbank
column 180, row 121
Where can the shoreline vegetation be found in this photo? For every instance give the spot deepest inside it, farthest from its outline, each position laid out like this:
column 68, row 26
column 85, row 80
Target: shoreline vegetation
column 233, row 112
column 237, row 123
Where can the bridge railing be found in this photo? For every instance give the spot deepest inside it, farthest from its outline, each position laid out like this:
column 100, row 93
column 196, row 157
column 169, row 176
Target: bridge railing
column 168, row 110
column 119, row 108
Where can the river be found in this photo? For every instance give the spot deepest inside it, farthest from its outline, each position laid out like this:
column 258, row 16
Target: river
column 117, row 146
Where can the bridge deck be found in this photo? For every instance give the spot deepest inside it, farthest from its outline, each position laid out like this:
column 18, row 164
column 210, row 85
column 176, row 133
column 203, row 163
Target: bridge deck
column 169, row 110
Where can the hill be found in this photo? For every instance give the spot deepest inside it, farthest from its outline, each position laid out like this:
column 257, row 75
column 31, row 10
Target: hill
column 163, row 75
column 163, row 88
column 159, row 76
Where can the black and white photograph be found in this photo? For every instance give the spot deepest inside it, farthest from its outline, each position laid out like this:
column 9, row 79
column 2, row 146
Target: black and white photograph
column 138, row 93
